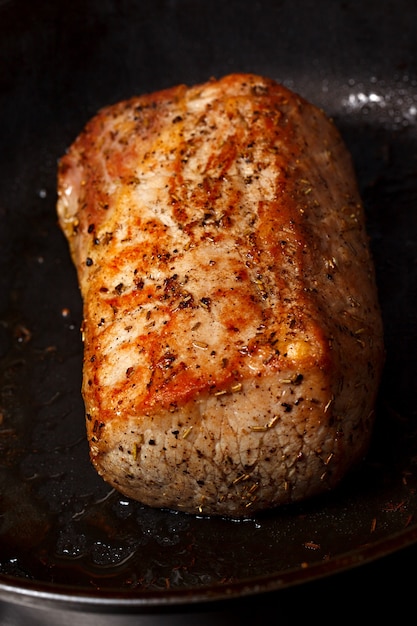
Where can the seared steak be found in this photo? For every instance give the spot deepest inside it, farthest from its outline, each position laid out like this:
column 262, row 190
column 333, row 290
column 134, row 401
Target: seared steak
column 232, row 335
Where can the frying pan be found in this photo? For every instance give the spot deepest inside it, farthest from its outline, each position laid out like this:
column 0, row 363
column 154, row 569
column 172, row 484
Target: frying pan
column 66, row 540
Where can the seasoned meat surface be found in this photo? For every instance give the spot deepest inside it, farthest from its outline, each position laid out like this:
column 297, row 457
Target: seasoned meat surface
column 232, row 335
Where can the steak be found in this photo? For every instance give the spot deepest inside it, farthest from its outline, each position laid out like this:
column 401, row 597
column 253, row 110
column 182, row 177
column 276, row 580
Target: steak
column 233, row 342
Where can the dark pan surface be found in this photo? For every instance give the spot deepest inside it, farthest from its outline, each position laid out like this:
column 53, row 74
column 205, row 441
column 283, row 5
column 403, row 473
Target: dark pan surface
column 65, row 539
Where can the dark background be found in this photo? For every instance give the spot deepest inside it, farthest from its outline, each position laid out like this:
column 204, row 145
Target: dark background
column 60, row 531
